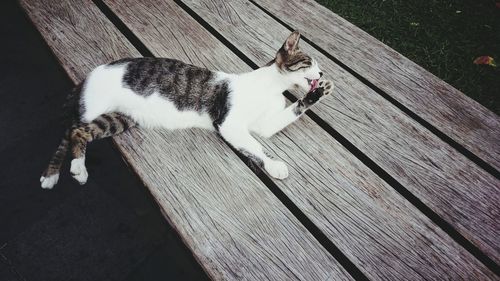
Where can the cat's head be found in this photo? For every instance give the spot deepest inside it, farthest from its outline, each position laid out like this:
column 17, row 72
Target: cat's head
column 296, row 66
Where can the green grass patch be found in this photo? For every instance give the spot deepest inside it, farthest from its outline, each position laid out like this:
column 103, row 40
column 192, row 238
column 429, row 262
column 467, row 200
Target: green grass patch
column 442, row 36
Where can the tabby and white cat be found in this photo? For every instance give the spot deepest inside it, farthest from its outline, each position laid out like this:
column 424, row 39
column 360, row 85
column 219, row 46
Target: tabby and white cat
column 156, row 92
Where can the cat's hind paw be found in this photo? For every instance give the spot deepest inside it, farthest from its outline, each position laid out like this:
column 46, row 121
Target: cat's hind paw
column 276, row 169
column 79, row 171
column 48, row 182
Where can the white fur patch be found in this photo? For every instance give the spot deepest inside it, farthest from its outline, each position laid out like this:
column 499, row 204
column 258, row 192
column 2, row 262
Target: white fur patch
column 78, row 170
column 50, row 181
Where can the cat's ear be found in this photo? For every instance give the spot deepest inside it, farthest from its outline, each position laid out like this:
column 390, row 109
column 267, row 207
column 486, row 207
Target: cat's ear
column 290, row 46
column 292, row 42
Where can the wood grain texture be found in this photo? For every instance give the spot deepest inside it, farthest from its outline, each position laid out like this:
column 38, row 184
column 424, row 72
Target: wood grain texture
column 446, row 108
column 445, row 180
column 234, row 225
column 375, row 227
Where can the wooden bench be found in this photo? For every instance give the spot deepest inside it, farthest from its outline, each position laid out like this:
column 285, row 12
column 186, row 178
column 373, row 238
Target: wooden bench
column 375, row 193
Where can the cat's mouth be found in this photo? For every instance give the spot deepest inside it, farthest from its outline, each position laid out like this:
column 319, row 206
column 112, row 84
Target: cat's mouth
column 313, row 84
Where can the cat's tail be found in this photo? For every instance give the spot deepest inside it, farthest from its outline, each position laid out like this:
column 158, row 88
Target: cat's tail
column 51, row 175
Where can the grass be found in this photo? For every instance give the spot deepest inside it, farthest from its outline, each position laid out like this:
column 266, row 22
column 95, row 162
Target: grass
column 443, row 36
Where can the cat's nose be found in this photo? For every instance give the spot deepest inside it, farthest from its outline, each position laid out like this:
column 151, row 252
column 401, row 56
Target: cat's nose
column 321, row 74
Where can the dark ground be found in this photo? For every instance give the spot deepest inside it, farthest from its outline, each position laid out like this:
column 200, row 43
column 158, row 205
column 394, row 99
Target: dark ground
column 109, row 229
column 443, row 36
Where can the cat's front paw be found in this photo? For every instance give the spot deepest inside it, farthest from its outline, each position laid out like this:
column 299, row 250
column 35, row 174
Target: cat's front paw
column 78, row 170
column 325, row 88
column 276, row 169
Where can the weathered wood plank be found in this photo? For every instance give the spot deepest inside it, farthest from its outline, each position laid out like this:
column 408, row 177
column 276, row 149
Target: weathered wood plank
column 446, row 108
column 363, row 216
column 233, row 224
column 432, row 170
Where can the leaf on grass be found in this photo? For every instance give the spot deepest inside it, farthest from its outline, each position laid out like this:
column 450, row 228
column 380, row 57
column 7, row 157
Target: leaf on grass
column 485, row 60
column 414, row 23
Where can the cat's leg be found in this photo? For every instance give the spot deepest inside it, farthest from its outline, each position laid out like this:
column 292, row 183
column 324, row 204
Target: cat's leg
column 241, row 139
column 106, row 125
column 50, row 176
column 290, row 114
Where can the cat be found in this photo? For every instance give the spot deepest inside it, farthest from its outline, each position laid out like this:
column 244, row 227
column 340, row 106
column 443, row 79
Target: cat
column 167, row 93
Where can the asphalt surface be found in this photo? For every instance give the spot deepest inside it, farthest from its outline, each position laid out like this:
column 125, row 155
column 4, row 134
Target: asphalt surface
column 108, row 229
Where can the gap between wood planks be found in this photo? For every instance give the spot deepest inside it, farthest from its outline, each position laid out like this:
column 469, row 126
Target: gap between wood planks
column 315, row 231
column 460, row 148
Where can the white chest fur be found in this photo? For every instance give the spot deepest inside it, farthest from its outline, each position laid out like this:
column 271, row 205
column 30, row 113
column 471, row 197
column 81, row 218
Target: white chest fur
column 255, row 95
